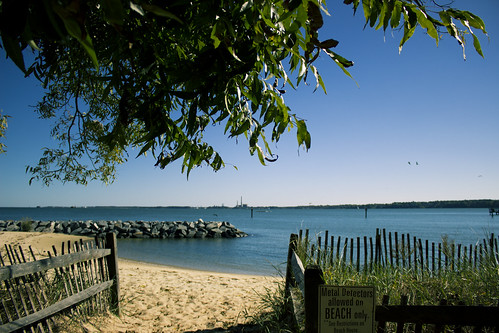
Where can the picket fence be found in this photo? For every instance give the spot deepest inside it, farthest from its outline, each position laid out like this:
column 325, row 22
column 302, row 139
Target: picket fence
column 400, row 250
column 81, row 280
column 302, row 287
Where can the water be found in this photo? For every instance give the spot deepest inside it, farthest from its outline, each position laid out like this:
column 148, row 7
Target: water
column 264, row 251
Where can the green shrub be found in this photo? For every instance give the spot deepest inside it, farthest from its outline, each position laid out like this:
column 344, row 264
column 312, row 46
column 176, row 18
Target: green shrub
column 27, row 225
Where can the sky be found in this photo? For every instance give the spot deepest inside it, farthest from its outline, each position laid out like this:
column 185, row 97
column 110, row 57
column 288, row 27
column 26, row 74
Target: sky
column 422, row 125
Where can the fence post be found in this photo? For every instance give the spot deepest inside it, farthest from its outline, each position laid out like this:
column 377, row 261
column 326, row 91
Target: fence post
column 112, row 266
column 293, row 239
column 313, row 278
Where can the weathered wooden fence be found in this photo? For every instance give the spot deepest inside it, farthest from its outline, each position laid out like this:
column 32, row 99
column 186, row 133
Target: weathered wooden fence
column 302, row 287
column 400, row 250
column 82, row 279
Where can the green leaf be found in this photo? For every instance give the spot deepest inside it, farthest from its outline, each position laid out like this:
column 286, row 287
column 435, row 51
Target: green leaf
column 13, row 51
column 231, row 51
column 260, row 155
column 161, row 12
column 410, row 23
column 375, row 12
column 302, row 134
column 396, row 15
column 241, row 129
column 293, row 4
column 445, row 17
column 366, row 5
column 475, row 21
column 78, row 31
column 318, row 79
column 342, row 63
column 146, row 147
column 137, row 8
column 247, row 5
column 215, row 33
column 476, row 45
column 113, row 11
column 388, row 7
column 427, row 24
column 329, row 43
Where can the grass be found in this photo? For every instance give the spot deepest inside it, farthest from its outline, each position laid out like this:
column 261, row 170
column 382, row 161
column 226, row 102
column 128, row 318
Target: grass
column 463, row 282
column 469, row 285
column 274, row 315
column 26, row 224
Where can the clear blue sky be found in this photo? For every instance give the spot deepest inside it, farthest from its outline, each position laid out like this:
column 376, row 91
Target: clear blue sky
column 425, row 105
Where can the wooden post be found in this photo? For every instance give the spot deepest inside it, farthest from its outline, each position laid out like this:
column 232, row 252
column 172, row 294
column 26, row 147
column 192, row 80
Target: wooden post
column 371, row 256
column 319, row 252
column 421, row 254
column 331, row 256
column 384, row 242
column 378, row 249
column 338, row 248
column 381, row 327
column 293, row 240
column 439, row 257
column 409, row 251
column 400, row 324
column 358, row 254
column 427, row 249
column 313, row 278
column 306, row 238
column 403, row 250
column 396, row 249
column 325, row 247
column 351, row 251
column 433, row 257
column 112, row 266
column 391, row 249
column 365, row 254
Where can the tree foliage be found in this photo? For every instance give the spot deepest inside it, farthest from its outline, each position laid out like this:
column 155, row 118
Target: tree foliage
column 3, row 128
column 139, row 77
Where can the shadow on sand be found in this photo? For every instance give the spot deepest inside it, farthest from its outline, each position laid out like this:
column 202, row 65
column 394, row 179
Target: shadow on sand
column 241, row 328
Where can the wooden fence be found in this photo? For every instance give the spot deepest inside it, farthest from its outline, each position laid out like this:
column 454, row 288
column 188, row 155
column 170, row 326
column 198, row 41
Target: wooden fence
column 400, row 250
column 302, row 287
column 81, row 280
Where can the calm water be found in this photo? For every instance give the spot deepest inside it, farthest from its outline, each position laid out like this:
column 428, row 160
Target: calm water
column 265, row 249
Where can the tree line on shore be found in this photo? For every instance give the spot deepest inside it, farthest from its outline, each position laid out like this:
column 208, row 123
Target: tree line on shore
column 480, row 203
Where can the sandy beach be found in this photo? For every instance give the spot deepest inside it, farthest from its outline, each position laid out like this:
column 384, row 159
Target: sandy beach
column 157, row 298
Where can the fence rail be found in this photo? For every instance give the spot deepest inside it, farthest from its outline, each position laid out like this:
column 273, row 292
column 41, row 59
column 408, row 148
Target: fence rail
column 400, row 250
column 83, row 280
column 302, row 286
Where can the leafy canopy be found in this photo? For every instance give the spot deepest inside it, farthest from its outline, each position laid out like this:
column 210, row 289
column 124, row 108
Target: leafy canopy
column 140, row 76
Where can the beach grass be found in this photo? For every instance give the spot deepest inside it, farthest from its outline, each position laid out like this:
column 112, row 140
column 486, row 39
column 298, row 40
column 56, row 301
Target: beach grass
column 465, row 282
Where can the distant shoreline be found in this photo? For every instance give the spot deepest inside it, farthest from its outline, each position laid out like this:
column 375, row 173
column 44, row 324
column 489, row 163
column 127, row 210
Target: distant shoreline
column 479, row 203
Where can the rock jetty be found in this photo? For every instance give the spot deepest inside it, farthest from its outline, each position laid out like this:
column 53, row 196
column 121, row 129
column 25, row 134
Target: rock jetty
column 129, row 229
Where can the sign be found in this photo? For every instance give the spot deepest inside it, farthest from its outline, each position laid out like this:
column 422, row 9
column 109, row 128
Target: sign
column 346, row 309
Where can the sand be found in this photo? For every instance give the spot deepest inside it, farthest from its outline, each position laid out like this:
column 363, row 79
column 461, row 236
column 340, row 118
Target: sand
column 157, row 298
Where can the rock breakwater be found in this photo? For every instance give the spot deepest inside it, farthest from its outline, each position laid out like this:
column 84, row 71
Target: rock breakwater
column 130, row 229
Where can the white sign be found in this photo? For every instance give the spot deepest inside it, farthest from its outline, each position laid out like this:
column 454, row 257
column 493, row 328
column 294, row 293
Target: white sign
column 346, row 309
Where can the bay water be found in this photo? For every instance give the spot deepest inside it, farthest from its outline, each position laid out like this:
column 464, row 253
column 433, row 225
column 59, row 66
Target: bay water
column 264, row 251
